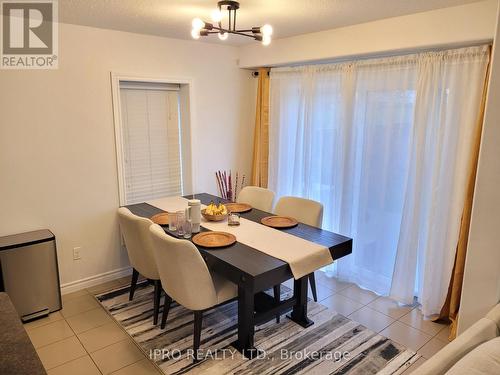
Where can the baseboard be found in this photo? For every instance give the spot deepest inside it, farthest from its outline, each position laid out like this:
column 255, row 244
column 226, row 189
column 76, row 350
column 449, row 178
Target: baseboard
column 88, row 282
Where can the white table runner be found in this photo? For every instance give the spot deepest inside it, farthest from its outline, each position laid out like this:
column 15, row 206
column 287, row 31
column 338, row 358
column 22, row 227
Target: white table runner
column 303, row 256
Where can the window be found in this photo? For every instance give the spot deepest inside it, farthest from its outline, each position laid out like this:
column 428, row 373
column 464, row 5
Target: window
column 150, row 139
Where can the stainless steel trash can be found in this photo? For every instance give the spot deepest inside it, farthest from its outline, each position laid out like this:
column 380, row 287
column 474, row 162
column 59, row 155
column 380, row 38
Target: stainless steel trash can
column 29, row 273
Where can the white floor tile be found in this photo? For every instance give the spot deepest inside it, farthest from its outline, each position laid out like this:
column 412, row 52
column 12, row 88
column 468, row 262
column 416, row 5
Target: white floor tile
column 389, row 307
column 405, row 335
column 374, row 320
column 341, row 304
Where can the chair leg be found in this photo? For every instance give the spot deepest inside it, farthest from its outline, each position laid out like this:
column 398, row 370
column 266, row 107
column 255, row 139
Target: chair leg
column 133, row 284
column 277, row 294
column 198, row 317
column 157, row 296
column 312, row 281
column 166, row 308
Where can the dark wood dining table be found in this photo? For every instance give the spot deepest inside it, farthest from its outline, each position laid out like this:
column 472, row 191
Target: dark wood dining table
column 254, row 272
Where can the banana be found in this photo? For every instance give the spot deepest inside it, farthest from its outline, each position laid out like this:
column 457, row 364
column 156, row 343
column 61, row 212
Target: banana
column 210, row 210
column 213, row 209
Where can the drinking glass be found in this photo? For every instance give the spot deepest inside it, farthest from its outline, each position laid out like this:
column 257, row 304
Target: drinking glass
column 181, row 220
column 172, row 221
column 188, row 229
column 233, row 219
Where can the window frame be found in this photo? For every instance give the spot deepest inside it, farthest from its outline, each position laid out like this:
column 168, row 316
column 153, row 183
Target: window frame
column 186, row 113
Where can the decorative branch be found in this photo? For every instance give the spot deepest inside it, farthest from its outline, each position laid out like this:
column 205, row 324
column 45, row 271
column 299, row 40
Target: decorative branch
column 242, row 182
column 236, row 187
column 230, row 187
column 219, row 183
column 227, row 189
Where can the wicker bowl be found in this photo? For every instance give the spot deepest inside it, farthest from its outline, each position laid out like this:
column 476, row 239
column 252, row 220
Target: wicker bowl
column 213, row 217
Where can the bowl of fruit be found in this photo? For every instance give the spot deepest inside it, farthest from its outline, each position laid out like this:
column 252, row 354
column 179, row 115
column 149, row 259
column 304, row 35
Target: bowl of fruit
column 215, row 212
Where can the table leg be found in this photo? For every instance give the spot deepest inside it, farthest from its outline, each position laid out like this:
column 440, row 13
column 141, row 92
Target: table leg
column 299, row 312
column 246, row 323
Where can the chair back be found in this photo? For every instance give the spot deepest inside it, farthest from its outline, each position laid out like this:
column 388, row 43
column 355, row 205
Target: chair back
column 135, row 231
column 260, row 198
column 304, row 210
column 184, row 274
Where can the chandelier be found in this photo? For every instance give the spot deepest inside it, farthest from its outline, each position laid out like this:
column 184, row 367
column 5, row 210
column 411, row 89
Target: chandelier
column 201, row 28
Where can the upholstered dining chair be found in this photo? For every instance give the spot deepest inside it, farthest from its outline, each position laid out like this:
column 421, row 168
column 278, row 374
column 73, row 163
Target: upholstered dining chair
column 257, row 197
column 187, row 280
column 135, row 231
column 306, row 211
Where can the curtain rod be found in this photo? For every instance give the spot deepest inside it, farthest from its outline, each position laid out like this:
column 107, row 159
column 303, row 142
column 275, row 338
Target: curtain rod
column 255, row 74
column 400, row 52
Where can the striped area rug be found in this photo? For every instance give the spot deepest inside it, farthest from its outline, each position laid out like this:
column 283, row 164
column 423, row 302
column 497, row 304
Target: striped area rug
column 333, row 345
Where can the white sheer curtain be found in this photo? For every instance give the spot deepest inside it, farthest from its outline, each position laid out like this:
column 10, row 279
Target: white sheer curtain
column 383, row 144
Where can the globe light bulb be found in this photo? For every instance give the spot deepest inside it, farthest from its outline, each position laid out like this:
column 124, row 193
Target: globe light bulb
column 266, row 30
column 216, row 15
column 266, row 40
column 223, row 36
column 197, row 24
column 195, row 33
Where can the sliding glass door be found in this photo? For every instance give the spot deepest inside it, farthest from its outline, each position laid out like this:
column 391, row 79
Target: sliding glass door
column 383, row 144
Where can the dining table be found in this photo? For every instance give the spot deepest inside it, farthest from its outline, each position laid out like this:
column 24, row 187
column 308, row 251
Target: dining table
column 254, row 272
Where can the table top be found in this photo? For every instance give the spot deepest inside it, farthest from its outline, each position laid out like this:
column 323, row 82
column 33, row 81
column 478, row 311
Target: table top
column 240, row 262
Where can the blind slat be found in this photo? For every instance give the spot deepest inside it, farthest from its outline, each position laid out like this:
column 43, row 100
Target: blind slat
column 151, row 142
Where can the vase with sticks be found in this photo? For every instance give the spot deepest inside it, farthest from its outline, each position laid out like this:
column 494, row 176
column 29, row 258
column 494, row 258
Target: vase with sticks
column 227, row 187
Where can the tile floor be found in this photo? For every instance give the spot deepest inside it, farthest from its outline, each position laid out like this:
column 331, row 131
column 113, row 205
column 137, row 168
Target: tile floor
column 83, row 339
column 403, row 324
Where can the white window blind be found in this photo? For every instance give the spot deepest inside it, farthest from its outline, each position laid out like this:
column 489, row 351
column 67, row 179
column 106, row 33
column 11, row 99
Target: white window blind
column 151, row 140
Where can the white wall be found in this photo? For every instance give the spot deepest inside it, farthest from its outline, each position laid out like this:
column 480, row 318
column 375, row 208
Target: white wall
column 481, row 288
column 443, row 27
column 57, row 148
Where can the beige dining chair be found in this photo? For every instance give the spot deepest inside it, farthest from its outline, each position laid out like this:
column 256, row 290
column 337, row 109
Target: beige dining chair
column 187, row 280
column 259, row 198
column 135, row 231
column 305, row 211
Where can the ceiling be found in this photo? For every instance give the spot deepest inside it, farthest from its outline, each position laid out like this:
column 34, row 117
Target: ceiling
column 172, row 18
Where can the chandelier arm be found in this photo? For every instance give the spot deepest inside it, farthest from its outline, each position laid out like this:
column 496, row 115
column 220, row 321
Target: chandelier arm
column 237, row 32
